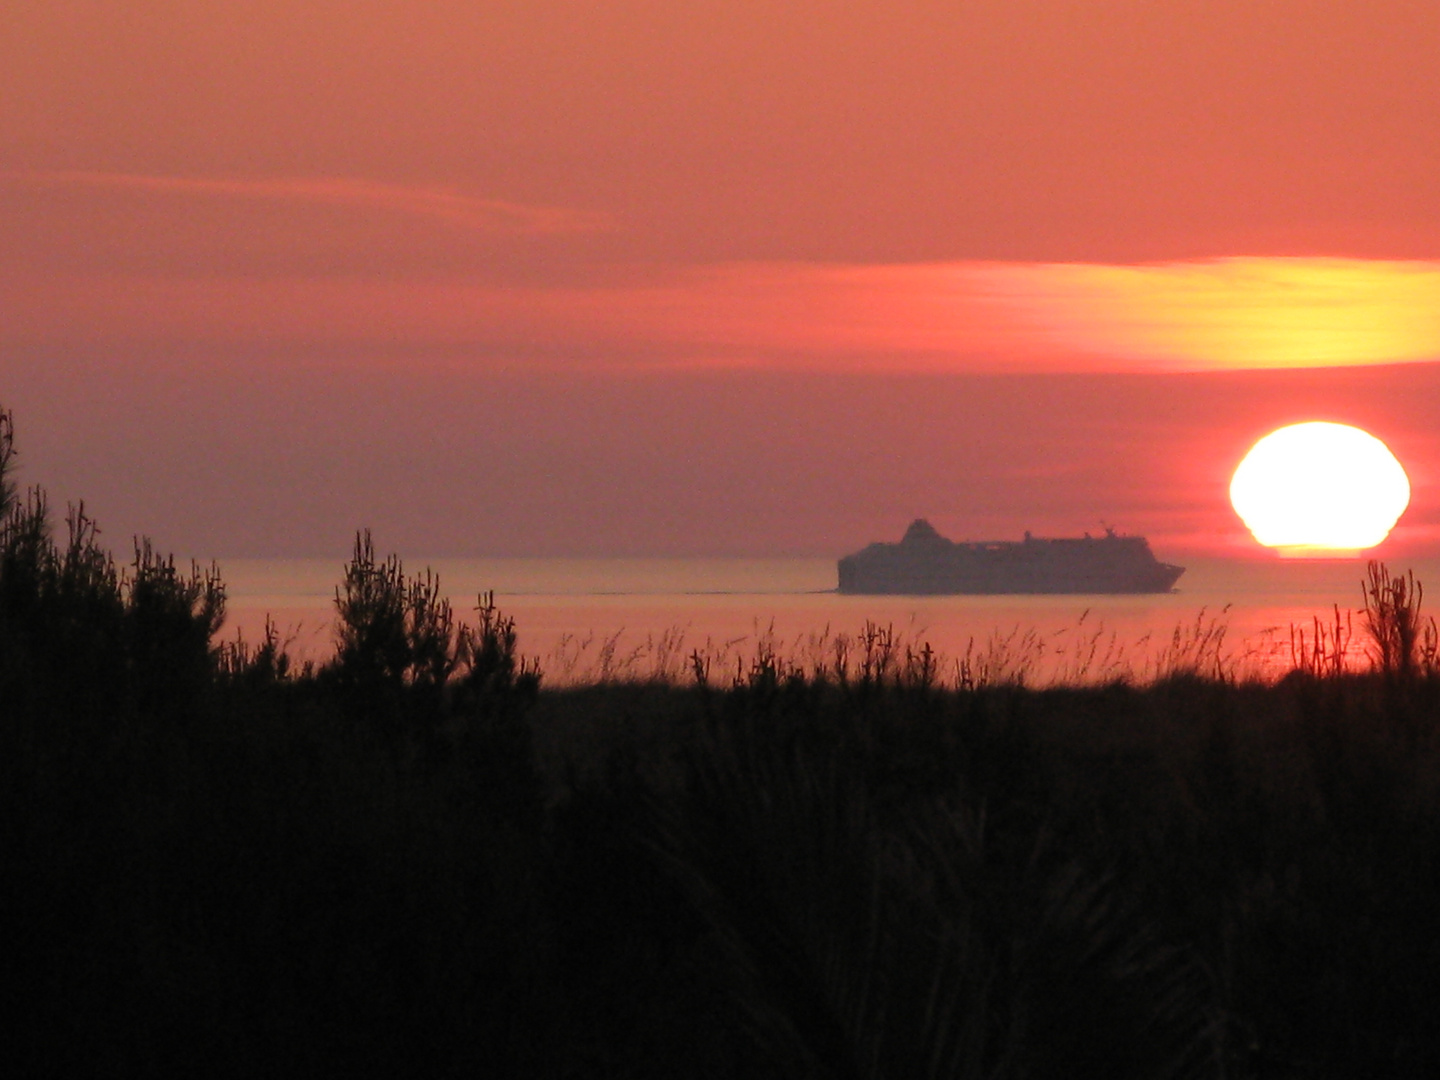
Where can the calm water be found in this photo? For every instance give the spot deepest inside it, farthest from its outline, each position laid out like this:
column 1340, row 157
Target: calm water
column 585, row 617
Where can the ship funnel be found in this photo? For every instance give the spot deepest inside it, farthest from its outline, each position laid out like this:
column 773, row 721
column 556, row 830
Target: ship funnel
column 921, row 531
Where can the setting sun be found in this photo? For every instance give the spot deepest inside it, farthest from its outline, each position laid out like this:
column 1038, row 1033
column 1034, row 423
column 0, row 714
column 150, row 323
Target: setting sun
column 1319, row 487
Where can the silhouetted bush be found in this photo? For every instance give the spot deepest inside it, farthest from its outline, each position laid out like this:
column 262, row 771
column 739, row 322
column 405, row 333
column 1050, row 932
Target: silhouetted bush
column 495, row 668
column 390, row 628
column 396, row 632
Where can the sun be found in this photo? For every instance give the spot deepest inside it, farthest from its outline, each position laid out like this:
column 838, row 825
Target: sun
column 1319, row 488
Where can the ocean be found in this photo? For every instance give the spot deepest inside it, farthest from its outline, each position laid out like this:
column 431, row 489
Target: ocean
column 584, row 619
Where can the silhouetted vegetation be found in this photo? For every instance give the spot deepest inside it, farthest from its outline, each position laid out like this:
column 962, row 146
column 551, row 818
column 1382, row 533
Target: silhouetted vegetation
column 412, row 860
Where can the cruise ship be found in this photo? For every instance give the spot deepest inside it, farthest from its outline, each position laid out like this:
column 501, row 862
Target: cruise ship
column 925, row 563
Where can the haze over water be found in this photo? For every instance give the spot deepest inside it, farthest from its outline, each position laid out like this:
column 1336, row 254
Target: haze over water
column 567, row 610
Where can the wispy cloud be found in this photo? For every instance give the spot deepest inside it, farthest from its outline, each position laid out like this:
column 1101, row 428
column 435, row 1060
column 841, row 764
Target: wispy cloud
column 458, row 208
column 1218, row 314
column 1223, row 314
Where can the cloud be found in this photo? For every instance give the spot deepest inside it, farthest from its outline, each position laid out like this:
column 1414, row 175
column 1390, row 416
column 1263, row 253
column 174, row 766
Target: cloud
column 976, row 317
column 1234, row 312
column 466, row 211
column 1218, row 314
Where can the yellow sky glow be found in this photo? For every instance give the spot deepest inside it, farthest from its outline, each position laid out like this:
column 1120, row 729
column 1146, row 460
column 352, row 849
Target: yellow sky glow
column 1237, row 312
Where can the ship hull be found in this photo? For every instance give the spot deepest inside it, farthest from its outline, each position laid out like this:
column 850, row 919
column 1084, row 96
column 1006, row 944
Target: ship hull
column 903, row 584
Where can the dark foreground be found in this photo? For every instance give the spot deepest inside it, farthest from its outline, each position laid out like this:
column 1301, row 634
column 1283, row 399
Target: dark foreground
column 250, row 875
column 415, row 862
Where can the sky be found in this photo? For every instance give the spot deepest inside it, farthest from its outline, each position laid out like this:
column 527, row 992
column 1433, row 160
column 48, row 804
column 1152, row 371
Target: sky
column 739, row 278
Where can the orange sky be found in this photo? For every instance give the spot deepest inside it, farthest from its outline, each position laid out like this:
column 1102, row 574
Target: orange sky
column 1003, row 263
